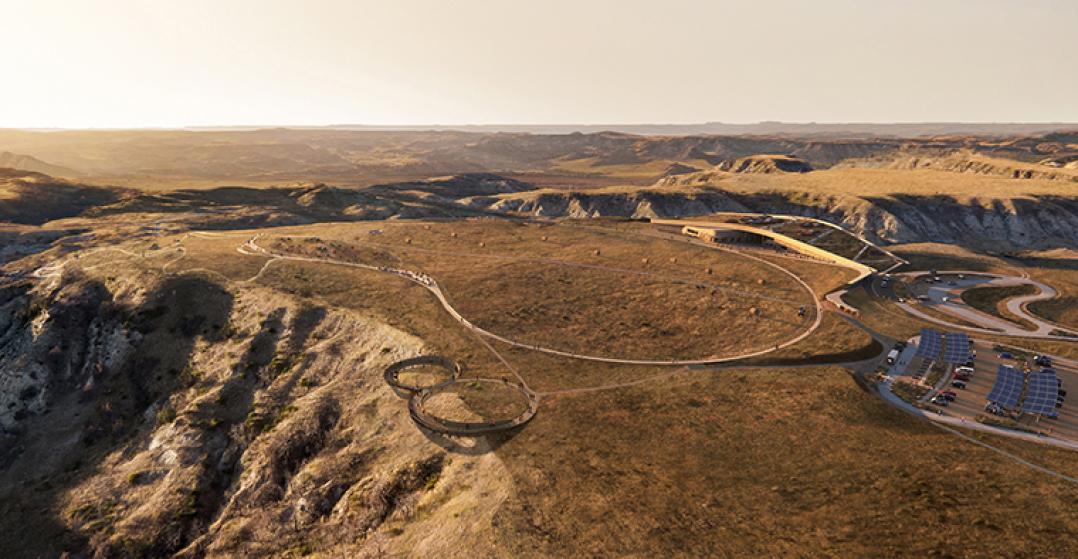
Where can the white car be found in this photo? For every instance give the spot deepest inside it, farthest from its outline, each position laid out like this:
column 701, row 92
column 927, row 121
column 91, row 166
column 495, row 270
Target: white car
column 964, row 370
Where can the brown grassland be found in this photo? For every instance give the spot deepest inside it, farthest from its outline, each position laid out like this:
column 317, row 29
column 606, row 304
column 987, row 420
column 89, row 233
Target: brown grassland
column 760, row 462
column 737, row 461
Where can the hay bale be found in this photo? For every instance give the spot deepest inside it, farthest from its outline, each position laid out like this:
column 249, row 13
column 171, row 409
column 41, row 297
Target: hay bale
column 754, row 311
column 544, row 237
column 761, row 281
column 707, row 271
column 596, row 252
column 453, row 234
column 408, row 241
column 673, row 259
column 644, row 260
column 482, row 244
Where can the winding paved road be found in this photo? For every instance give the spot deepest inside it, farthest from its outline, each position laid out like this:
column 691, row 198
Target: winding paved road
column 989, row 324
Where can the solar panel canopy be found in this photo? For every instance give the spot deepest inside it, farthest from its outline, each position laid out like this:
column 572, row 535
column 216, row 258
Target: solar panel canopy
column 1008, row 387
column 957, row 350
column 1041, row 393
column 930, row 345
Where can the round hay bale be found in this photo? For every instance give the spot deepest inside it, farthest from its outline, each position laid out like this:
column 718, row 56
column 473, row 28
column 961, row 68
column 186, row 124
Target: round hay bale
column 673, row 259
column 453, row 234
column 596, row 252
column 707, row 271
column 427, row 227
column 754, row 311
column 644, row 260
column 408, row 241
column 482, row 244
column 544, row 237
column 761, row 281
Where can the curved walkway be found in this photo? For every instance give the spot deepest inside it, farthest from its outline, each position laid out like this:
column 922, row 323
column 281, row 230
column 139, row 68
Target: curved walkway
column 251, row 247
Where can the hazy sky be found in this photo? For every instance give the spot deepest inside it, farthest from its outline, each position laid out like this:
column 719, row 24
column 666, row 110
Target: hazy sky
column 126, row 63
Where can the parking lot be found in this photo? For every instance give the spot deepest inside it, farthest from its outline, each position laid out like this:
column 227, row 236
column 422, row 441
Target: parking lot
column 970, row 402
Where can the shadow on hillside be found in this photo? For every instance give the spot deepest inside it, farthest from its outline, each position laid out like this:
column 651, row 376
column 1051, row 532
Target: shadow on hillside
column 472, row 446
column 97, row 410
column 34, row 203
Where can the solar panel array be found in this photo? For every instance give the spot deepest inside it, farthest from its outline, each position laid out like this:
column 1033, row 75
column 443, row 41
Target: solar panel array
column 1008, row 387
column 1042, row 393
column 957, row 348
column 930, row 345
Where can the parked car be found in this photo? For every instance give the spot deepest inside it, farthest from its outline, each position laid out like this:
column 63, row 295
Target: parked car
column 958, row 384
column 1005, row 355
column 940, row 401
column 1042, row 361
column 949, row 394
column 962, row 378
column 1062, row 393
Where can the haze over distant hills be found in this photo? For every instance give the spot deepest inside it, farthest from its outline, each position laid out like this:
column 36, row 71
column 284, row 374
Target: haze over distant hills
column 770, row 128
column 360, row 157
column 837, row 129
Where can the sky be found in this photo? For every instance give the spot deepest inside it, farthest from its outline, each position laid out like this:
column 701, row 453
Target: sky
column 150, row 63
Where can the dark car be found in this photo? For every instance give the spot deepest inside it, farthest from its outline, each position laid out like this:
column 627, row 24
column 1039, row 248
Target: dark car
column 1062, row 393
column 1005, row 355
column 958, row 383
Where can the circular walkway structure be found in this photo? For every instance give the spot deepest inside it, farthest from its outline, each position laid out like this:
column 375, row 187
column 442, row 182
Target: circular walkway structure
column 392, row 373
column 417, row 409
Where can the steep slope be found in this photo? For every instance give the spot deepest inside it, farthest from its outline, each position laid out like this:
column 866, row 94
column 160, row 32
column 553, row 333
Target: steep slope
column 174, row 416
column 766, row 164
column 963, row 162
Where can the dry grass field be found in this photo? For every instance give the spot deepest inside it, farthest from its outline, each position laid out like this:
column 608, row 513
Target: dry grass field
column 766, row 463
column 636, row 297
